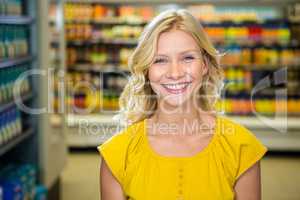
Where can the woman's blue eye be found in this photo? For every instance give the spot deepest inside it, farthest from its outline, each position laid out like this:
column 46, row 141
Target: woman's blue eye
column 160, row 60
column 188, row 58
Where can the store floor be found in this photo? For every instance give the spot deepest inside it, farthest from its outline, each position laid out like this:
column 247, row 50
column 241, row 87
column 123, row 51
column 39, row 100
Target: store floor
column 280, row 177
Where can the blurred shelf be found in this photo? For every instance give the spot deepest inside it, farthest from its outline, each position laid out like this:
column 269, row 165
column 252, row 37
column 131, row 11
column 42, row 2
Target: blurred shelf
column 102, row 41
column 77, row 21
column 216, row 2
column 90, row 130
column 84, row 138
column 267, row 122
column 141, row 22
column 98, row 68
column 75, row 120
column 16, row 20
column 249, row 121
column 243, row 43
column 15, row 61
column 278, row 134
column 248, row 43
column 12, row 103
column 261, row 67
column 108, row 21
column 13, row 142
column 267, row 22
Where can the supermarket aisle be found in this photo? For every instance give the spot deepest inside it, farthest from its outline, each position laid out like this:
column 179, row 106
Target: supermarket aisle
column 280, row 177
column 80, row 177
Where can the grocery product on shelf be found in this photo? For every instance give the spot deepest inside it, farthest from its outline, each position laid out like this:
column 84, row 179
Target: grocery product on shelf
column 249, row 33
column 84, row 12
column 8, row 77
column 12, row 7
column 13, row 41
column 211, row 13
column 266, row 106
column 88, row 93
column 237, row 80
column 260, row 56
column 19, row 181
column 97, row 57
column 18, row 130
column 11, row 125
column 78, row 31
column 80, row 12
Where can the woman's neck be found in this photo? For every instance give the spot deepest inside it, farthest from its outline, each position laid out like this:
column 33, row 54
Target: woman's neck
column 180, row 120
column 171, row 114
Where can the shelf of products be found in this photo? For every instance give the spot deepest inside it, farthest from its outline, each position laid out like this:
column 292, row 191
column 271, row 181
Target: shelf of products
column 13, row 41
column 94, row 93
column 10, row 140
column 9, row 104
column 15, row 61
column 241, row 34
column 256, row 42
column 19, row 167
column 9, row 77
column 12, row 8
column 19, row 20
column 19, row 181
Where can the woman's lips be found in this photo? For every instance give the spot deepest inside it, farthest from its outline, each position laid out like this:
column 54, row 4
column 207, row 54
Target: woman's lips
column 176, row 88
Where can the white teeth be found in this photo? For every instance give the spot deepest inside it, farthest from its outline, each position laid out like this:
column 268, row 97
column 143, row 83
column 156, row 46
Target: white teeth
column 176, row 86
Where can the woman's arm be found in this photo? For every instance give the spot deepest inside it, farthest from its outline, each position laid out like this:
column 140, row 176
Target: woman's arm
column 248, row 185
column 110, row 189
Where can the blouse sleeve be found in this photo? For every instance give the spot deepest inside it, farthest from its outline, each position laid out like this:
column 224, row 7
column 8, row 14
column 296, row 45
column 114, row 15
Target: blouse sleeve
column 114, row 151
column 250, row 150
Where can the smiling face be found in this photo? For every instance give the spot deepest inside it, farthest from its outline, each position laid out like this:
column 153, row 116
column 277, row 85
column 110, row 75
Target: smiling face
column 177, row 69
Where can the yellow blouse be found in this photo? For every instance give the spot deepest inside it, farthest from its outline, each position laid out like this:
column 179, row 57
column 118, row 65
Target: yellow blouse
column 210, row 174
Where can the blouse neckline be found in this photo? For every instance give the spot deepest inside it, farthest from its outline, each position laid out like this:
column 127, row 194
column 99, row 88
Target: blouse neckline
column 181, row 158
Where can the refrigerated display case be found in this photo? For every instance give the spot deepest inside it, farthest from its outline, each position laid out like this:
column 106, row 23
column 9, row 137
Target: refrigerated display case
column 25, row 139
column 52, row 143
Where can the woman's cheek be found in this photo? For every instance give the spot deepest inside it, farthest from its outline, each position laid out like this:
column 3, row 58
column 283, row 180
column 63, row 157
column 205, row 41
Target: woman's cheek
column 195, row 71
column 196, row 74
column 154, row 76
column 155, row 87
column 156, row 71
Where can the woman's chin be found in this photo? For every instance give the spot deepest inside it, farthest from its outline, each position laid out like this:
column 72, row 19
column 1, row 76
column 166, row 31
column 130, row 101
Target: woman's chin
column 176, row 101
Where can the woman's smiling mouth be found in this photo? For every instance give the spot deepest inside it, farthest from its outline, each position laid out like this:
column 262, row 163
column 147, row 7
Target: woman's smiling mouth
column 176, row 88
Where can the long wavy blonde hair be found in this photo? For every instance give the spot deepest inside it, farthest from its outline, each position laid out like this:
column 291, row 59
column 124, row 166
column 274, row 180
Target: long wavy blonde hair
column 136, row 101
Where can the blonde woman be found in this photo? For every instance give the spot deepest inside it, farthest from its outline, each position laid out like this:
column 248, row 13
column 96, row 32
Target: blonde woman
column 175, row 146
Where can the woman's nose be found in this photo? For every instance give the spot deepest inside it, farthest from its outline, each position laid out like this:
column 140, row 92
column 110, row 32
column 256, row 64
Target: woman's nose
column 176, row 71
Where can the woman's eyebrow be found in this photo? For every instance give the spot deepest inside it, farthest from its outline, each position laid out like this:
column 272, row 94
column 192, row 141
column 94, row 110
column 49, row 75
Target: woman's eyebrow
column 180, row 53
column 164, row 55
column 190, row 50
